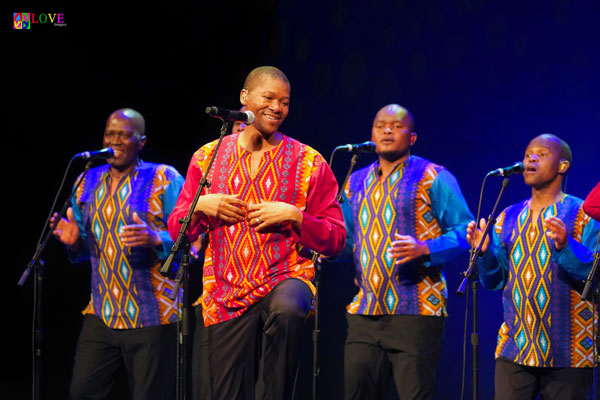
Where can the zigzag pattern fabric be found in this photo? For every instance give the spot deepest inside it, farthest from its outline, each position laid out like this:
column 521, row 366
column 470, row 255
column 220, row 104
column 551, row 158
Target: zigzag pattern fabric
column 127, row 289
column 540, row 328
column 399, row 204
column 241, row 266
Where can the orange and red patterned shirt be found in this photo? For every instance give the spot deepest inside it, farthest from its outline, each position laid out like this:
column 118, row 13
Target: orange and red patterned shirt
column 241, row 266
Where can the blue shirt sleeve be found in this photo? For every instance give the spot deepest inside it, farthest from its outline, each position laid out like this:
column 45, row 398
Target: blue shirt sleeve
column 453, row 215
column 577, row 258
column 82, row 253
column 169, row 199
column 493, row 264
column 347, row 253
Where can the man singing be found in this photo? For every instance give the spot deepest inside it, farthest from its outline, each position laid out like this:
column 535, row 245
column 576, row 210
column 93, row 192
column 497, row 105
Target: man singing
column 271, row 199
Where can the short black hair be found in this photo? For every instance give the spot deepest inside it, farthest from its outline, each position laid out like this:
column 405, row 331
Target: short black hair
column 259, row 72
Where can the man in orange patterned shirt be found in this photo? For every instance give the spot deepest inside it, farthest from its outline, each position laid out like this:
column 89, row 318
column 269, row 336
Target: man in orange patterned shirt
column 271, row 199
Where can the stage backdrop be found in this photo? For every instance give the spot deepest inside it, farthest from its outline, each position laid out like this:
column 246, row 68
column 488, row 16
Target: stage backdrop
column 481, row 78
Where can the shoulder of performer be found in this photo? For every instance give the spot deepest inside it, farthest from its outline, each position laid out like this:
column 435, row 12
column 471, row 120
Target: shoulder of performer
column 305, row 152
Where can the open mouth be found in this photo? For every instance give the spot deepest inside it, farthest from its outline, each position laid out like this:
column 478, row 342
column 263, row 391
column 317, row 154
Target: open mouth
column 530, row 170
column 117, row 152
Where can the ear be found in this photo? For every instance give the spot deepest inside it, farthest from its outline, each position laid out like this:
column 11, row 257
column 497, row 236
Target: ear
column 563, row 166
column 413, row 138
column 142, row 142
column 243, row 96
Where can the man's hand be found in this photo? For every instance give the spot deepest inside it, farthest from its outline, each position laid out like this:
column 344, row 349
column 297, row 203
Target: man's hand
column 556, row 230
column 474, row 235
column 139, row 234
column 226, row 207
column 406, row 248
column 66, row 230
column 262, row 216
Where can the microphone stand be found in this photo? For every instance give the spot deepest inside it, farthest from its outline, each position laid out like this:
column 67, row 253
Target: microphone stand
column 317, row 279
column 471, row 275
column 37, row 264
column 596, row 299
column 183, row 243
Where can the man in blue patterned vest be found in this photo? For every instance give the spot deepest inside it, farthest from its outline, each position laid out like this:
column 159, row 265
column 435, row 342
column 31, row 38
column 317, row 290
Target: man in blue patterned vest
column 118, row 220
column 405, row 217
column 539, row 254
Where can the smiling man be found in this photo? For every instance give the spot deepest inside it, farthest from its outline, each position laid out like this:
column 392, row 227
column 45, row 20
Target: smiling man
column 118, row 221
column 271, row 199
column 405, row 217
column 539, row 254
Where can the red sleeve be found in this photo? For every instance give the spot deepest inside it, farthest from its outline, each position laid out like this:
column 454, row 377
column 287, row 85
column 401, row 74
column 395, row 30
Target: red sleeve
column 323, row 228
column 591, row 205
column 186, row 196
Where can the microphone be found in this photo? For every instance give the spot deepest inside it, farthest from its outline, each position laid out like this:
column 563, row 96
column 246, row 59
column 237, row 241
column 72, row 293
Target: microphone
column 104, row 153
column 243, row 116
column 364, row 147
column 516, row 168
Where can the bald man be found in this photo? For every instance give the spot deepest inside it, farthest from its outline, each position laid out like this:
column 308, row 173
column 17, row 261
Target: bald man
column 118, row 220
column 271, row 199
column 405, row 217
column 539, row 253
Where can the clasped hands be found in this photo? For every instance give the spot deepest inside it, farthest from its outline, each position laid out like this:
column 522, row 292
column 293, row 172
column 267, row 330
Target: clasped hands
column 232, row 210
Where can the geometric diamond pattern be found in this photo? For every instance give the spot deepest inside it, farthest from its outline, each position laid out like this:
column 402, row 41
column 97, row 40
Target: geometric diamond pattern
column 582, row 326
column 391, row 298
column 428, row 216
column 433, row 300
column 389, row 214
column 517, row 298
column 117, row 288
column 364, row 217
column 107, row 309
column 543, row 342
column 586, row 314
column 124, row 271
column 132, row 309
column 242, row 265
column 586, row 343
column 517, row 254
column 381, row 207
column 541, row 298
column 521, row 339
column 543, row 326
column 530, row 257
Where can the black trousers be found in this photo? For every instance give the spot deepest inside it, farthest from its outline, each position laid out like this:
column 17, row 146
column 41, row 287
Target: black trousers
column 200, row 366
column 148, row 354
column 271, row 330
column 405, row 347
column 519, row 382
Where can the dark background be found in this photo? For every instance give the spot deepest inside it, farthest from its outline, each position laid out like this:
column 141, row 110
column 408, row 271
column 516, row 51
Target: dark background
column 481, row 78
